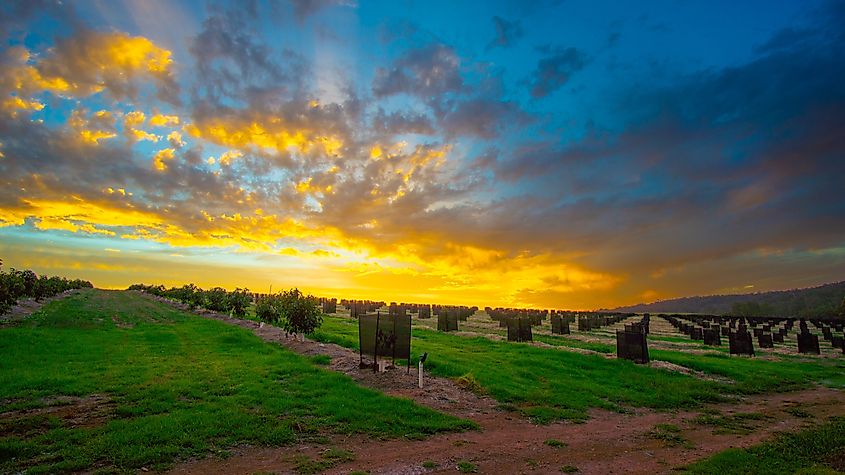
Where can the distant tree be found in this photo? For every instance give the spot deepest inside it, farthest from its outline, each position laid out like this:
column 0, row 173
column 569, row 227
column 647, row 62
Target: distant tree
column 196, row 298
column 29, row 280
column 751, row 309
column 238, row 301
column 842, row 307
column 17, row 284
column 10, row 289
column 300, row 314
column 184, row 294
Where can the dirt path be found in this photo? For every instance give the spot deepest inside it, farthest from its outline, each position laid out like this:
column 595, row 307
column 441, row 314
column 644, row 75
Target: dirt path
column 507, row 443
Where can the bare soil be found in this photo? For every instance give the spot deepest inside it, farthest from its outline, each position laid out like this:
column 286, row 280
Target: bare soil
column 608, row 443
column 90, row 411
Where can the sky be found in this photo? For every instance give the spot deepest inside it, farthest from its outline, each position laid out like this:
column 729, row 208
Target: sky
column 548, row 154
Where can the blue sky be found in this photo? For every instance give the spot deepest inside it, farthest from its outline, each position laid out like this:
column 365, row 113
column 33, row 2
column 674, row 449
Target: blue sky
column 548, row 154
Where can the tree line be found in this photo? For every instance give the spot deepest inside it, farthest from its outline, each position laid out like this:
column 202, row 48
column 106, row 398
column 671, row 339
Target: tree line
column 801, row 309
column 292, row 310
column 20, row 284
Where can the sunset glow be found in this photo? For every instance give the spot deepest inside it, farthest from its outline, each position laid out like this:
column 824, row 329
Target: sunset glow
column 565, row 155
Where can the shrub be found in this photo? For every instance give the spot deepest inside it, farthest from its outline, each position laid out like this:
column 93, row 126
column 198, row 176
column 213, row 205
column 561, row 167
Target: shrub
column 8, row 292
column 184, row 294
column 217, row 299
column 469, row 383
column 238, row 301
column 267, row 309
column 467, row 467
column 299, row 313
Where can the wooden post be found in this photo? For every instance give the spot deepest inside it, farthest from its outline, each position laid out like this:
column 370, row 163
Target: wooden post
column 421, row 375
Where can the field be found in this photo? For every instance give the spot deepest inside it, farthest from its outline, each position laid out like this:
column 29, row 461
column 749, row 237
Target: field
column 109, row 381
column 113, row 381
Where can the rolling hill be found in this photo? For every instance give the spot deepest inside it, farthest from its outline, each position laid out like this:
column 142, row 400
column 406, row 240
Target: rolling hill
column 822, row 301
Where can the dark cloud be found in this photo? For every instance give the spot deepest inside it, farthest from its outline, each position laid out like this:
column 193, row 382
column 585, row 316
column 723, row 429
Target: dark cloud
column 427, row 71
column 389, row 32
column 302, row 9
column 788, row 38
column 398, row 122
column 231, row 61
column 507, row 32
column 555, row 69
column 14, row 15
column 723, row 163
column 483, row 117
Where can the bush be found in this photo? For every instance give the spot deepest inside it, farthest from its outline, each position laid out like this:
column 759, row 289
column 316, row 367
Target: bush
column 238, row 301
column 268, row 309
column 8, row 292
column 299, row 313
column 184, row 294
column 294, row 311
column 196, row 299
column 217, row 299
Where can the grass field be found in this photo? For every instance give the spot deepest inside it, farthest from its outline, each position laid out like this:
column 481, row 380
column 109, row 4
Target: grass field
column 161, row 385
column 171, row 386
column 549, row 384
column 812, row 451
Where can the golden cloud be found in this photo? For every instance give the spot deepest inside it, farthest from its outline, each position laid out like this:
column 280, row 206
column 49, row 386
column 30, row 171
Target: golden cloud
column 85, row 64
column 93, row 128
column 266, row 134
column 161, row 158
column 159, row 120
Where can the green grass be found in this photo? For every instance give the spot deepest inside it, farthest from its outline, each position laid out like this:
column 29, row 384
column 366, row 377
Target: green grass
column 177, row 385
column 338, row 330
column 555, row 340
column 814, row 450
column 542, row 383
column 740, row 423
column 467, row 467
column 693, row 344
column 757, row 375
column 798, row 412
column 555, row 443
column 670, row 435
column 569, row 469
column 328, row 459
column 549, row 384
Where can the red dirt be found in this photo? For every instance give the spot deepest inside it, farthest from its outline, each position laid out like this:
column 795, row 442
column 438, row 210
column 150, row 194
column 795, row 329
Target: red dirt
column 607, row 443
column 89, row 411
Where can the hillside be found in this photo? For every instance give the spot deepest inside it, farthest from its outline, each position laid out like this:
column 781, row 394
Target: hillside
column 825, row 300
